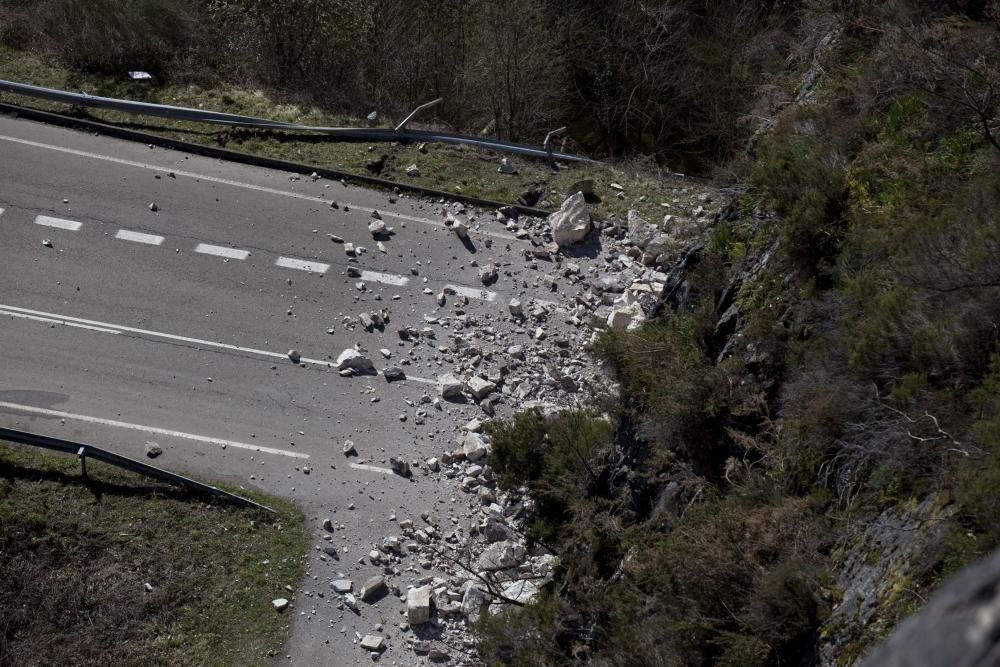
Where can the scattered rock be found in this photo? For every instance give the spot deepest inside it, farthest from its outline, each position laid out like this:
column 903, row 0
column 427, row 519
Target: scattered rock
column 47, row 243
column 400, row 467
column 412, row 171
column 507, row 167
column 449, row 386
column 488, row 274
column 418, row 605
column 294, row 356
column 480, row 388
column 279, row 604
column 354, row 360
column 394, row 374
column 373, row 643
column 153, row 450
column 342, row 586
column 374, row 587
column 571, row 223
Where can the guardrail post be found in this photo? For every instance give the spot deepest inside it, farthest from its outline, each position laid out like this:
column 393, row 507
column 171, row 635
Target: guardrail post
column 547, row 145
column 82, row 455
column 413, row 113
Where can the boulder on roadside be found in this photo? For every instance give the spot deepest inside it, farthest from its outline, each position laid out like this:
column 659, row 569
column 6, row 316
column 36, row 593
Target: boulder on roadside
column 418, row 605
column 354, row 360
column 399, row 466
column 571, row 223
column 449, row 386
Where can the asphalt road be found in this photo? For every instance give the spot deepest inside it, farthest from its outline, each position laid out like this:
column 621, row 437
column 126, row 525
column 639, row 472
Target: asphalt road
column 173, row 326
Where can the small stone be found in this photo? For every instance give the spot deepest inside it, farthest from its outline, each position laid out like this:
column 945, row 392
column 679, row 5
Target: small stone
column 349, row 449
column 294, row 356
column 47, row 243
column 480, row 388
column 153, row 207
column 279, row 604
column 516, row 309
column 507, row 167
column 153, row 450
column 377, row 228
column 372, row 643
column 374, row 587
column 394, row 374
column 328, row 525
column 488, row 274
column 354, row 360
column 342, row 586
column 400, row 467
column 412, row 171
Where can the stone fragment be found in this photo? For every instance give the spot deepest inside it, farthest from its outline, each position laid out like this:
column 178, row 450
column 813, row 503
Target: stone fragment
column 351, row 602
column 449, row 386
column 351, row 359
column 373, row 588
column 461, row 230
column 400, row 466
column 377, row 228
column 394, row 374
column 279, row 604
column 373, row 643
column 349, row 449
column 412, row 170
column 515, row 308
column 506, row 167
column 480, row 388
column 342, row 585
column 501, row 556
column 418, row 605
column 571, row 223
column 294, row 356
column 488, row 274
column 153, row 450
column 473, row 601
column 473, row 446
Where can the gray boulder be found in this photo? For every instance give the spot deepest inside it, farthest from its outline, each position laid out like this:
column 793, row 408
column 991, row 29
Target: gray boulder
column 571, row 223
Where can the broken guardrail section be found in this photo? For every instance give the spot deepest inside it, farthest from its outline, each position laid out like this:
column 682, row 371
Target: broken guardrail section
column 84, row 451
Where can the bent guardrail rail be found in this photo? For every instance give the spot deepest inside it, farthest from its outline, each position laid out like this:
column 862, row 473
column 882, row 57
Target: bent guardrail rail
column 237, row 120
column 84, row 451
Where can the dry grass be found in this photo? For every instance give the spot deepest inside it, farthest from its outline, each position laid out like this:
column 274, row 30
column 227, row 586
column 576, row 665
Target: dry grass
column 75, row 558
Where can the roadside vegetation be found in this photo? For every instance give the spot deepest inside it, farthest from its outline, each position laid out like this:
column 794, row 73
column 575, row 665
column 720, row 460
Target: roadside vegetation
column 120, row 570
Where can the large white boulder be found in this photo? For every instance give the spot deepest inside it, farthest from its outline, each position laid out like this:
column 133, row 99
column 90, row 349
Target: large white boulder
column 354, row 360
column 571, row 223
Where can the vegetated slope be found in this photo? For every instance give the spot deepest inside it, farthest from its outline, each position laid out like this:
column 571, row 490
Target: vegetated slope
column 119, row 570
column 807, row 439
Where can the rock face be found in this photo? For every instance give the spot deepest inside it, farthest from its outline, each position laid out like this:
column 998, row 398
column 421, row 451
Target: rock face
column 571, row 223
column 959, row 626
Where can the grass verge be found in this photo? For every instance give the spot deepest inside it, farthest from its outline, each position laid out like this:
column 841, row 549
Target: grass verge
column 459, row 169
column 76, row 558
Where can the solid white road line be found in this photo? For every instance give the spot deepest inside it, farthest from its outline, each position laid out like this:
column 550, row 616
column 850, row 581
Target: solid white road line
column 150, row 429
column 57, row 321
column 302, row 265
column 365, row 466
column 239, row 184
column 58, row 223
column 473, row 293
column 221, row 251
column 139, row 237
column 387, row 278
column 106, row 327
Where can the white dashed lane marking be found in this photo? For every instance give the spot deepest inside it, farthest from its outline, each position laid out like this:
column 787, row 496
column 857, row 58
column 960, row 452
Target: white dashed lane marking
column 240, row 184
column 387, row 278
column 473, row 293
column 58, row 223
column 149, row 429
column 139, row 237
column 365, row 466
column 221, row 251
column 302, row 265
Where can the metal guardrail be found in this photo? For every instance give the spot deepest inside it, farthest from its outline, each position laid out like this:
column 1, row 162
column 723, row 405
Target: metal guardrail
column 84, row 451
column 236, row 120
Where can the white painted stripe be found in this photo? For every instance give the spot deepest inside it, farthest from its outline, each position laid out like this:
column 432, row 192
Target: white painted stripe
column 365, row 466
column 473, row 293
column 151, row 429
column 221, row 251
column 58, row 223
column 57, row 321
column 302, row 265
column 167, row 336
column 249, row 186
column 387, row 278
column 139, row 237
